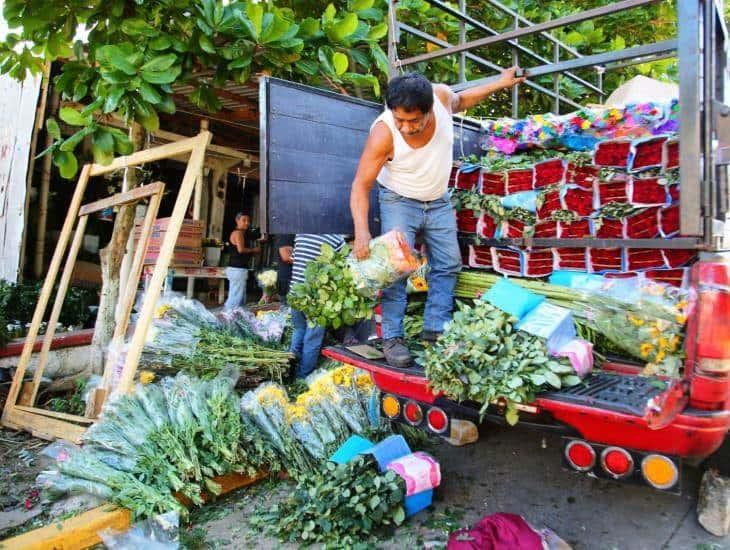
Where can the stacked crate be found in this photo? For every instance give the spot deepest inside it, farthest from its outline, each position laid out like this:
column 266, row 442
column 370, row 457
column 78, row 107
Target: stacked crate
column 188, row 246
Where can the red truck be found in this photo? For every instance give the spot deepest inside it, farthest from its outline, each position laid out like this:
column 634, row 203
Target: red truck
column 617, row 424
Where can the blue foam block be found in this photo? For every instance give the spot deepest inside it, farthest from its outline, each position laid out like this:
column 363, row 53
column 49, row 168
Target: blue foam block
column 512, row 298
column 419, row 501
column 389, row 449
column 350, row 449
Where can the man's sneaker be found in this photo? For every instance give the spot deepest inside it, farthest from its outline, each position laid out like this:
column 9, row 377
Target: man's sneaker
column 430, row 336
column 396, row 353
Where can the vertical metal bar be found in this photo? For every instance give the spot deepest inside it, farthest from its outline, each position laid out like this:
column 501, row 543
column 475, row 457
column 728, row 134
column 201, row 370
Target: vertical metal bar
column 515, row 89
column 392, row 38
column 708, row 85
column 556, row 79
column 599, row 83
column 462, row 39
column 688, row 48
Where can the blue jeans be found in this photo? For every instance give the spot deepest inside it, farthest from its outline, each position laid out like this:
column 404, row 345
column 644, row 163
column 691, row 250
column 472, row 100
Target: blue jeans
column 436, row 222
column 237, row 277
column 306, row 343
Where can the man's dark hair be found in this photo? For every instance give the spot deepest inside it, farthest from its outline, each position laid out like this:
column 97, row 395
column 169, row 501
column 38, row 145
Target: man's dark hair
column 240, row 215
column 410, row 91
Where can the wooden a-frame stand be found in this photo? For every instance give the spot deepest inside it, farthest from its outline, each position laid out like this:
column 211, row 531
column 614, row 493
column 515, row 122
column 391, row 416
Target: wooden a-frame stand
column 21, row 413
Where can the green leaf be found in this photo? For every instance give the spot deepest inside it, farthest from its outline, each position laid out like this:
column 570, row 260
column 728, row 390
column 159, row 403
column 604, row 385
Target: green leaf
column 72, row 141
column 102, row 146
column 372, row 14
column 149, row 93
column 66, row 163
column 552, row 379
column 329, row 14
column 163, row 77
column 255, row 13
column 324, row 60
column 364, row 80
column 206, row 44
column 73, row 117
column 340, row 62
column 378, row 31
column 240, row 62
column 122, row 144
column 399, row 515
column 276, row 28
column 52, row 128
column 116, row 59
column 149, row 119
column 574, row 38
column 112, row 100
column 357, row 5
column 381, row 59
column 512, row 416
column 344, row 27
column 514, row 382
column 309, row 27
column 570, row 380
column 160, row 43
column 160, row 63
column 138, row 26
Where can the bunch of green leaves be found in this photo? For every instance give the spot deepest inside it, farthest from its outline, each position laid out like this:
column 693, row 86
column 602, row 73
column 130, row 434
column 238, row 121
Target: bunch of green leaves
column 137, row 51
column 522, row 214
column 413, row 320
column 328, row 297
column 482, row 357
column 564, row 215
column 74, row 403
column 344, row 505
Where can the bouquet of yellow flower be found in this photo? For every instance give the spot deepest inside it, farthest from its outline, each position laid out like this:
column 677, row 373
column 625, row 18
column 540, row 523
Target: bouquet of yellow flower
column 267, row 281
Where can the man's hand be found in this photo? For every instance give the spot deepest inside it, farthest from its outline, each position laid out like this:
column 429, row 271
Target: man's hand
column 361, row 245
column 508, row 78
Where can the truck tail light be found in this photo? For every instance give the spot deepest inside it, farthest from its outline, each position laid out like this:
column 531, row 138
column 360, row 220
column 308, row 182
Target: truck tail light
column 412, row 412
column 659, row 471
column 437, row 420
column 580, row 455
column 391, row 406
column 617, row 462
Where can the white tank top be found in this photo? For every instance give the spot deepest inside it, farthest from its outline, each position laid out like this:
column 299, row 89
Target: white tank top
column 423, row 173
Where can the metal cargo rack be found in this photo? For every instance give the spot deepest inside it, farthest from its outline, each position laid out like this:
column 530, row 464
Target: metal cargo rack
column 704, row 135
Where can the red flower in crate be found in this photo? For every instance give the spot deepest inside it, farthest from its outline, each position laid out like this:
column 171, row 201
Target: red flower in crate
column 577, row 229
column 578, row 200
column 513, row 229
column 611, row 191
column 673, row 192
column 467, row 181
column 601, row 260
column 641, row 259
column 573, row 259
column 678, row 257
column 670, row 154
column 452, row 177
column 486, row 227
column 584, row 176
column 550, row 203
column 538, row 263
column 648, row 153
column 647, row 191
column 546, row 229
column 669, row 221
column 507, row 261
column 493, row 183
column 480, row 256
column 609, row 228
column 621, row 275
column 613, row 152
column 643, row 225
column 549, row 172
column 675, row 277
column 466, row 221
column 520, row 179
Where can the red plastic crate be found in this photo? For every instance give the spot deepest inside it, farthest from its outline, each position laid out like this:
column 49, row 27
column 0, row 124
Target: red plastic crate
column 674, row 258
column 648, row 153
column 673, row 191
column 486, row 227
column 538, row 263
column 584, row 176
column 513, row 229
column 452, row 176
column 466, row 221
column 467, row 181
column 493, row 183
column 507, row 261
column 610, row 228
column 578, row 200
column 572, row 259
column 641, row 259
column 546, row 229
column 601, row 260
column 578, row 229
column 521, row 179
column 479, row 256
column 670, row 154
column 612, row 153
column 642, row 225
column 668, row 219
column 611, row 191
column 551, row 202
column 647, row 191
column 549, row 172
column 676, row 277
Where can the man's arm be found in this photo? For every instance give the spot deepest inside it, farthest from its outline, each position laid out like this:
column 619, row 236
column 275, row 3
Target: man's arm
column 240, row 242
column 285, row 253
column 377, row 150
column 470, row 97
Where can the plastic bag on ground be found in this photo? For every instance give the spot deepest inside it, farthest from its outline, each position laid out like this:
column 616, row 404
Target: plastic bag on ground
column 158, row 533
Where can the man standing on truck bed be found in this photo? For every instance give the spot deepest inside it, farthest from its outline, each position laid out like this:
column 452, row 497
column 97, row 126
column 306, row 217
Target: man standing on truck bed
column 410, row 153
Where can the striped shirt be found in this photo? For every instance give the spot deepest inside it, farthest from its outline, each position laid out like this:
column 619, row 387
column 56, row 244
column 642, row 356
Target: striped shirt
column 308, row 247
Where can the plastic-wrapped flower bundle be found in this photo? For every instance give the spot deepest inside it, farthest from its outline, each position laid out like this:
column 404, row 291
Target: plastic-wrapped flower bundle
column 267, row 281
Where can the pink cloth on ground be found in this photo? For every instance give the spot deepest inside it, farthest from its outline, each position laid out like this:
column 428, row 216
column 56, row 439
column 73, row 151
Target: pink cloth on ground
column 496, row 532
column 420, row 471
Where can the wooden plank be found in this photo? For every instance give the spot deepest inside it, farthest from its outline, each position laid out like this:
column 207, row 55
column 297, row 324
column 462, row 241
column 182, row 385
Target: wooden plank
column 147, row 155
column 42, row 426
column 58, row 304
column 163, row 263
column 54, row 414
column 122, row 198
column 26, row 392
column 45, row 294
column 75, row 533
column 229, row 482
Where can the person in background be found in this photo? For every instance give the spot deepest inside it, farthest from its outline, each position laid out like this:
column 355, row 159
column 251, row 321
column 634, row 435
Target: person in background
column 306, row 341
column 240, row 254
column 285, row 246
